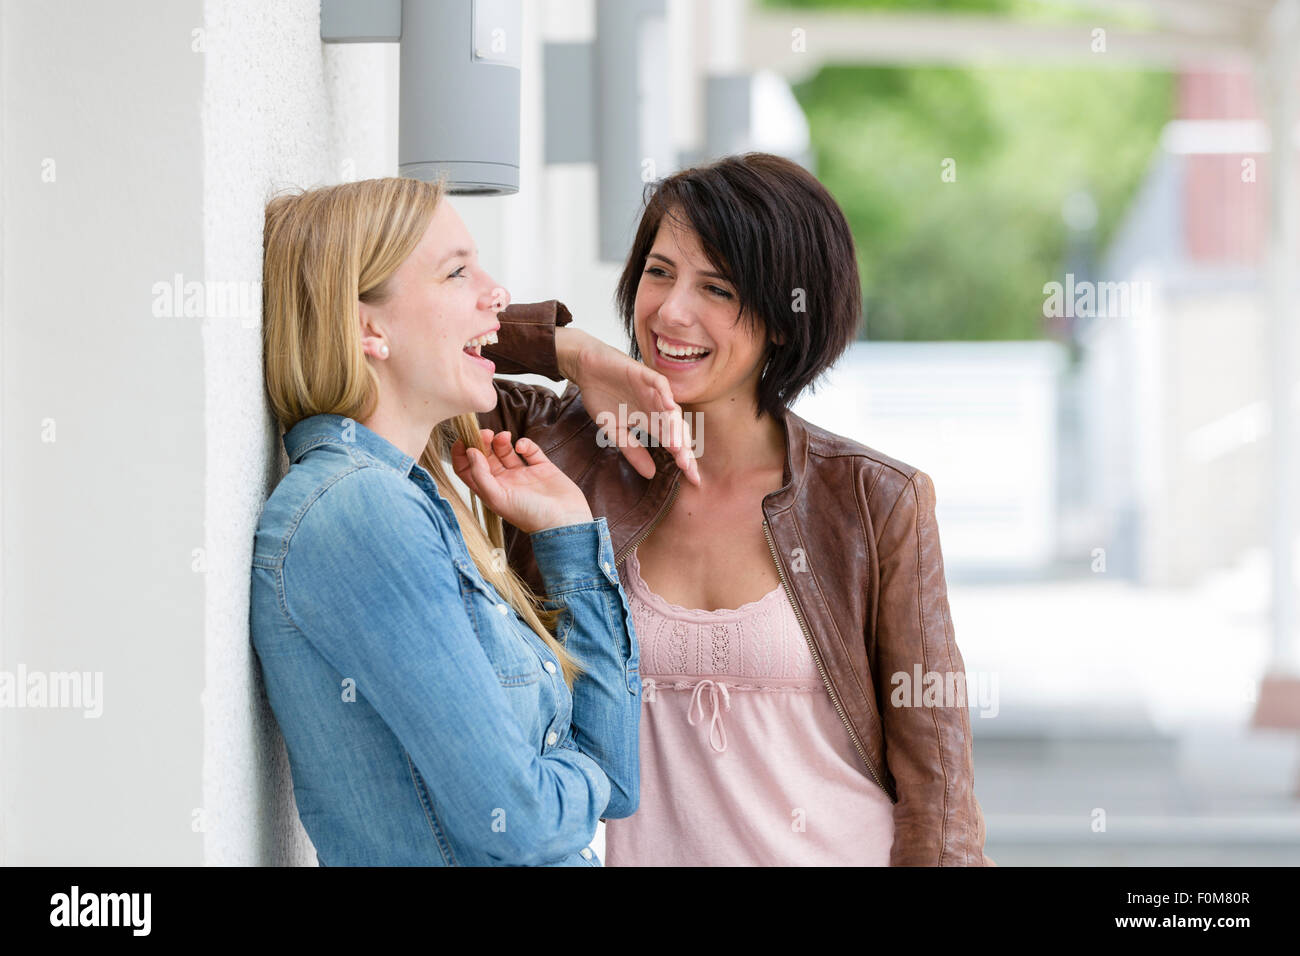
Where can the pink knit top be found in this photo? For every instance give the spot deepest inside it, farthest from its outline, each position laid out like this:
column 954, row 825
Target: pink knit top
column 744, row 760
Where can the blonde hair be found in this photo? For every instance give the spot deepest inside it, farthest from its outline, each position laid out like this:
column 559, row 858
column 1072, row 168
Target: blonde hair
column 325, row 250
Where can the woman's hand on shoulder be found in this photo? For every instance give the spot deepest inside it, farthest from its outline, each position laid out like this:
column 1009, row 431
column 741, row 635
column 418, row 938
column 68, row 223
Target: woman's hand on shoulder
column 518, row 482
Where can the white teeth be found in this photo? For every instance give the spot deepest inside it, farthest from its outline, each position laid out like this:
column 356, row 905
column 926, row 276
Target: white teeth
column 678, row 351
column 489, row 339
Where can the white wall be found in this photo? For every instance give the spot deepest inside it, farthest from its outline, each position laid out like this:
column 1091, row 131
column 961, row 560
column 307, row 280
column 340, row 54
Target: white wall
column 127, row 538
column 101, row 522
column 279, row 109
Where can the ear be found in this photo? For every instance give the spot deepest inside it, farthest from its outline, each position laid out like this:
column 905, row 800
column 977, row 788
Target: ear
column 373, row 340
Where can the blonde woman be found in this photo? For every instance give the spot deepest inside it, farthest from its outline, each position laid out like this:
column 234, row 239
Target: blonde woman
column 432, row 714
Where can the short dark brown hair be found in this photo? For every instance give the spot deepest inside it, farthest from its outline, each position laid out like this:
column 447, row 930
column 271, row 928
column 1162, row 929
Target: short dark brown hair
column 782, row 241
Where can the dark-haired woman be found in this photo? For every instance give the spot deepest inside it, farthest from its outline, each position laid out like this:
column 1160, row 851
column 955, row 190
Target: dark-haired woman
column 788, row 594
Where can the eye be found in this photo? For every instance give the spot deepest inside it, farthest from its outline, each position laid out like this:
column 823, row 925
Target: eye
column 457, row 273
column 656, row 271
column 720, row 293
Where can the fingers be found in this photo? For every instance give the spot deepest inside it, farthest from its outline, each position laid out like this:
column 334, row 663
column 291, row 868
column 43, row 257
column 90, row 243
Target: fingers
column 665, row 389
column 674, row 432
column 635, row 453
column 638, row 457
column 503, row 454
column 493, row 448
column 680, row 442
column 481, row 481
column 504, row 451
column 470, row 465
column 459, row 460
column 531, row 453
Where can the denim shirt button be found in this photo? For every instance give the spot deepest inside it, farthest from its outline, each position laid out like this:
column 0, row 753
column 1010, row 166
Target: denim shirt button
column 503, row 609
column 586, row 852
column 551, row 738
column 550, row 667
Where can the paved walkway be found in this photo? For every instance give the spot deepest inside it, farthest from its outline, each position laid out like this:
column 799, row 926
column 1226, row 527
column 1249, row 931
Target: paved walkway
column 1127, row 708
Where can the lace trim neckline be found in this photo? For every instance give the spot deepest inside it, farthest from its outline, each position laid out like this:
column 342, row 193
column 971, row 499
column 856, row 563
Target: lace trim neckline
column 667, row 607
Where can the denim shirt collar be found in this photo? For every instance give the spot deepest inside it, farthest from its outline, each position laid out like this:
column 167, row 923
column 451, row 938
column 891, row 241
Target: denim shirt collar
column 337, row 430
column 354, row 437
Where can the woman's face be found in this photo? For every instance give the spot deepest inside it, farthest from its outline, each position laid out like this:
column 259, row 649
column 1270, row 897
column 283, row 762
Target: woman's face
column 682, row 302
column 440, row 299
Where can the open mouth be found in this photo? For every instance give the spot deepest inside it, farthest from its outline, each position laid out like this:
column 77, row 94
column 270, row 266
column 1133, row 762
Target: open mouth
column 679, row 355
column 474, row 349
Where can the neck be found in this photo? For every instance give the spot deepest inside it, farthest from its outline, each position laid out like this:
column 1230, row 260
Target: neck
column 407, row 431
column 735, row 443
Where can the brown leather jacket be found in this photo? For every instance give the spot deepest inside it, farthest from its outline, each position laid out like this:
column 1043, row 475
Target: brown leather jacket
column 854, row 538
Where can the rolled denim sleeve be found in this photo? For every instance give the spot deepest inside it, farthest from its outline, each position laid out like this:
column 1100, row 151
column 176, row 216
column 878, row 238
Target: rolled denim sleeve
column 576, row 563
column 369, row 580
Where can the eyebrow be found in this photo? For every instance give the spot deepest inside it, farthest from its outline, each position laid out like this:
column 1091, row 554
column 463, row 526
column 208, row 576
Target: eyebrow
column 454, row 254
column 714, row 275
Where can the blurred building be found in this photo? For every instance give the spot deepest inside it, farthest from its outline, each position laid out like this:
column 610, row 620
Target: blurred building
column 1169, row 431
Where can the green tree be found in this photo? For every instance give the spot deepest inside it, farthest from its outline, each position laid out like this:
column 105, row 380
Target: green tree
column 967, row 259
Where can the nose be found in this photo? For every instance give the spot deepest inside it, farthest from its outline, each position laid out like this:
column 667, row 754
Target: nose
column 673, row 310
column 496, row 298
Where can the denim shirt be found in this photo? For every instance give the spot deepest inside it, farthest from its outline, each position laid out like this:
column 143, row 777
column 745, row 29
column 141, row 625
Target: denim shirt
column 426, row 723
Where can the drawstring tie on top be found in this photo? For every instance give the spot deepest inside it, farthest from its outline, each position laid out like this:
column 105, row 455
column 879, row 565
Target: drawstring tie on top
column 717, row 732
column 715, row 720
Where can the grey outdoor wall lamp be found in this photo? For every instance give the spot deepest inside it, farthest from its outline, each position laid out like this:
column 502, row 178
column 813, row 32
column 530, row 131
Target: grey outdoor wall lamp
column 459, row 88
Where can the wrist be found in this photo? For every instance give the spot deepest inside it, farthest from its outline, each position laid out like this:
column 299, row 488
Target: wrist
column 569, row 346
column 565, row 521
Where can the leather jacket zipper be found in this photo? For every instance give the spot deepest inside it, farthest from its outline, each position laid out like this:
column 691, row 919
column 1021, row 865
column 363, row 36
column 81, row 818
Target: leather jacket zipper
column 818, row 658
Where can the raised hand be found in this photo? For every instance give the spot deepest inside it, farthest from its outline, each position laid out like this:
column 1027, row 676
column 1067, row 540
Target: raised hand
column 520, row 483
column 610, row 381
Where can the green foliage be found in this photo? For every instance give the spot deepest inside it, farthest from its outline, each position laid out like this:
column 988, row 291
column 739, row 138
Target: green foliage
column 1057, row 11
column 968, row 259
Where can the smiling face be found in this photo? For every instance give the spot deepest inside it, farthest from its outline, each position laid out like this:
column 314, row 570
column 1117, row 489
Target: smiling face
column 437, row 301
column 688, row 323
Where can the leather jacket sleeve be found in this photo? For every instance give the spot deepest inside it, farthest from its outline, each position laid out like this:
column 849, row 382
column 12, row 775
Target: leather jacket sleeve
column 937, row 819
column 526, row 345
column 526, row 342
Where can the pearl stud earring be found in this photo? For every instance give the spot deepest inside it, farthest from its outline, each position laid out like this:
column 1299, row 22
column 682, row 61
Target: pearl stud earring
column 383, row 351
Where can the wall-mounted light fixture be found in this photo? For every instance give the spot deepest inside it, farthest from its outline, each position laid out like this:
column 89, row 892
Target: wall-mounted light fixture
column 459, row 88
